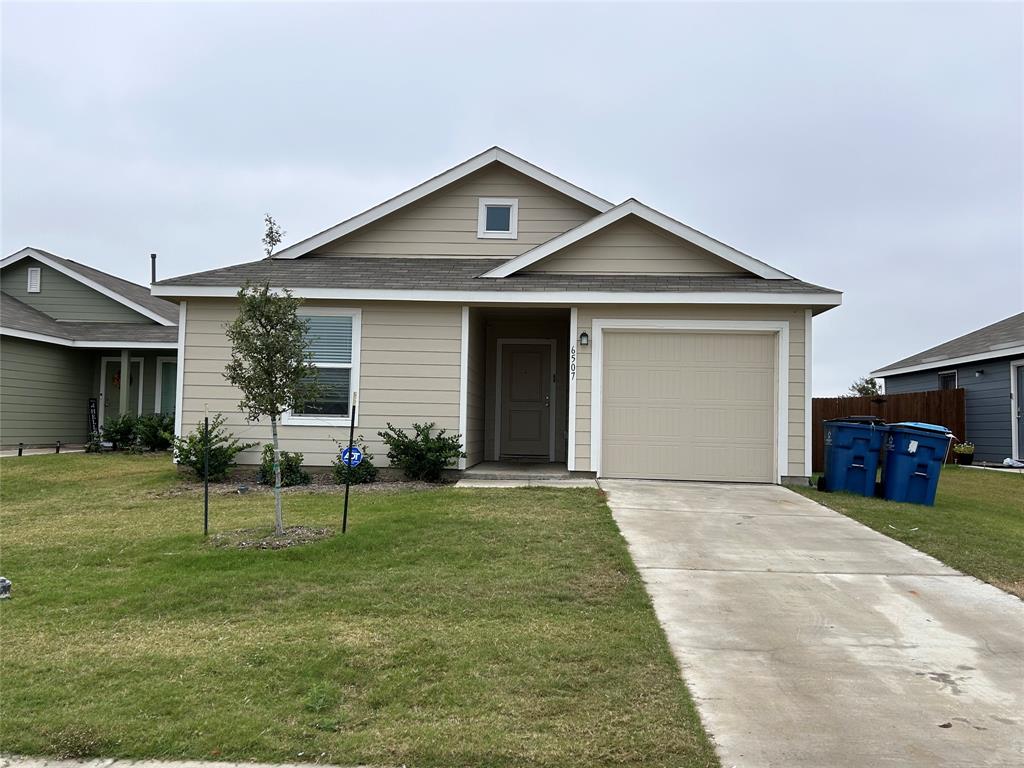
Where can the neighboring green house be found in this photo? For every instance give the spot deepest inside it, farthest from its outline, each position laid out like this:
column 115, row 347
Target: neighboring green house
column 67, row 331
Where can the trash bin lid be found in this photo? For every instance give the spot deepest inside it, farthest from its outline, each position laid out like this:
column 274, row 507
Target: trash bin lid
column 922, row 426
column 874, row 420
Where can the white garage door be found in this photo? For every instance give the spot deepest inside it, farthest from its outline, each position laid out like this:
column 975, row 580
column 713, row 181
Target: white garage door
column 688, row 406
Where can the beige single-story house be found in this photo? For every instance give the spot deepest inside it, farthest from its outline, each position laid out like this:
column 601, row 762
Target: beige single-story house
column 537, row 320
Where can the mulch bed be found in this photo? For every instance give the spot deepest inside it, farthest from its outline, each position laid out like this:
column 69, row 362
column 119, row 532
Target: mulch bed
column 261, row 538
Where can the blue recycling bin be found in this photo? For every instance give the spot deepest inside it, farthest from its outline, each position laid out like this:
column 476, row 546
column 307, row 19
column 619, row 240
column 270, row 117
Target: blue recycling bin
column 852, row 449
column 912, row 459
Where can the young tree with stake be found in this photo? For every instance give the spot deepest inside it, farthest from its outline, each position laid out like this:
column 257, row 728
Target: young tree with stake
column 269, row 358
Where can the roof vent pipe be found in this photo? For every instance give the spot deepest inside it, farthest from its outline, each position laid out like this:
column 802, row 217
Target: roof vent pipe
column 152, row 271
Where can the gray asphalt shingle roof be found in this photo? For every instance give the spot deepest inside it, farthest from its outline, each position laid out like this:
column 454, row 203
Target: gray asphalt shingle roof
column 131, row 291
column 994, row 339
column 450, row 274
column 19, row 316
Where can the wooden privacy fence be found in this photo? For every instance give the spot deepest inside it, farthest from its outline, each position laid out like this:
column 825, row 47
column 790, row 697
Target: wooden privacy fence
column 945, row 407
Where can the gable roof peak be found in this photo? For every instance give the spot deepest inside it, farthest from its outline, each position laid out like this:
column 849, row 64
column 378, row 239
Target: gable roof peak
column 493, row 155
column 136, row 297
column 633, row 207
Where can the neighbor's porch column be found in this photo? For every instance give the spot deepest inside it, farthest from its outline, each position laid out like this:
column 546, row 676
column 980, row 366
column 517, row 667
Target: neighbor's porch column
column 126, row 380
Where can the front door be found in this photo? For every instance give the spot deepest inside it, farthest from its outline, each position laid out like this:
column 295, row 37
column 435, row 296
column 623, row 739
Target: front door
column 1020, row 413
column 525, row 406
column 112, row 383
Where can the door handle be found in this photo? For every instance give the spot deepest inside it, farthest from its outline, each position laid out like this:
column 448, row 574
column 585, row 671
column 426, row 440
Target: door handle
column 547, row 402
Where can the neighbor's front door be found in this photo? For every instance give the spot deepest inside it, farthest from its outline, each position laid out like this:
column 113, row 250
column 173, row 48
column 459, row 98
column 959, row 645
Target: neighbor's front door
column 525, row 408
column 112, row 383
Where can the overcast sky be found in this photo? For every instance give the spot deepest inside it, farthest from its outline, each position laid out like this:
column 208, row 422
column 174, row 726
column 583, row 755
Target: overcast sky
column 872, row 148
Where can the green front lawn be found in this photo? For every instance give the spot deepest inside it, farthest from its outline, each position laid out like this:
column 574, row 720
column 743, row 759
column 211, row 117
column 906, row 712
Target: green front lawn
column 976, row 525
column 449, row 627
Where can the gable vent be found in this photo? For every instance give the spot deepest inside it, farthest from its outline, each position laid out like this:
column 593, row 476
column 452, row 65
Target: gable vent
column 33, row 279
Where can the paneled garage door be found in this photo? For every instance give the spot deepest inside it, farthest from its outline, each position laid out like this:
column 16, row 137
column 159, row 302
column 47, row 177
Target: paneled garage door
column 689, row 405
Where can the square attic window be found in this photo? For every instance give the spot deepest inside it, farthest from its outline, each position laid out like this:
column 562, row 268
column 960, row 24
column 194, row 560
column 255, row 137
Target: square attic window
column 498, row 217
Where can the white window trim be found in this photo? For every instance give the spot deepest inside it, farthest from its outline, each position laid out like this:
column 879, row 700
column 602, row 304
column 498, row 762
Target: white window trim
column 160, row 363
column 940, row 374
column 35, row 273
column 103, row 383
column 293, row 419
column 481, row 218
column 778, row 327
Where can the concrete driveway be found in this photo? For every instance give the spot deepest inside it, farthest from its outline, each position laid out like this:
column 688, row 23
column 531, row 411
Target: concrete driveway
column 808, row 639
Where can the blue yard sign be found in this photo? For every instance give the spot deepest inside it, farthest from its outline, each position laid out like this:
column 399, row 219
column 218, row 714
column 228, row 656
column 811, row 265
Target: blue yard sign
column 351, row 456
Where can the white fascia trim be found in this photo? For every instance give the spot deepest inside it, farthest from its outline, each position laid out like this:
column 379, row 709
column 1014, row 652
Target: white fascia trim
column 32, row 336
column 808, row 404
column 495, row 154
column 464, row 384
column 950, row 361
column 180, row 393
column 34, row 254
column 648, row 214
column 779, row 327
column 570, row 458
column 559, row 298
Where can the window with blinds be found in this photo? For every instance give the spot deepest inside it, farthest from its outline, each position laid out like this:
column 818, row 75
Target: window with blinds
column 330, row 340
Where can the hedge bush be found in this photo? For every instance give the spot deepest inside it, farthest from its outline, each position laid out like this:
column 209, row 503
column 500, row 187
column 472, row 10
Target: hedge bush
column 292, row 472
column 422, row 456
column 366, row 472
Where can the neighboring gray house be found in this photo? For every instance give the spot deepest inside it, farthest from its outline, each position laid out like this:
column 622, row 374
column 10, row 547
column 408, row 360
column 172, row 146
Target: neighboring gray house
column 67, row 331
column 988, row 364
column 537, row 320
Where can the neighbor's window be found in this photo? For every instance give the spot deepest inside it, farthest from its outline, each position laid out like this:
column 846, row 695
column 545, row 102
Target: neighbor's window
column 34, row 279
column 947, row 380
column 498, row 217
column 333, row 343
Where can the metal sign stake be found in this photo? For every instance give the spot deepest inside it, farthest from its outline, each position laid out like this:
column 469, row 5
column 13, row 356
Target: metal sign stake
column 349, row 459
column 206, row 472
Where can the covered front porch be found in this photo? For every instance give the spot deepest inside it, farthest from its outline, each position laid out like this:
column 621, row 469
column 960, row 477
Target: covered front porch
column 150, row 386
column 517, row 393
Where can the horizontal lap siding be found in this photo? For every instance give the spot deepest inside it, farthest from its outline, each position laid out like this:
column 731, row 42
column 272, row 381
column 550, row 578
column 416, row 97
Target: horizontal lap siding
column 64, row 298
column 45, row 393
column 409, row 372
column 632, row 246
column 445, row 223
column 987, row 399
column 797, row 373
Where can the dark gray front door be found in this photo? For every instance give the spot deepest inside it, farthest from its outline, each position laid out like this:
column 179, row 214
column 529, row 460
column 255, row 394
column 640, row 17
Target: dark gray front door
column 525, row 410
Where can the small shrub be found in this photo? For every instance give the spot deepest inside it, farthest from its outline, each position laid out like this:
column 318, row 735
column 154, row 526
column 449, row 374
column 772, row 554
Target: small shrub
column 422, row 456
column 366, row 472
column 224, row 447
column 120, row 431
column 155, row 431
column 292, row 472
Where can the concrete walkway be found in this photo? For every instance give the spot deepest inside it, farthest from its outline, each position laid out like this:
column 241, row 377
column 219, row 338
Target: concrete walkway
column 809, row 640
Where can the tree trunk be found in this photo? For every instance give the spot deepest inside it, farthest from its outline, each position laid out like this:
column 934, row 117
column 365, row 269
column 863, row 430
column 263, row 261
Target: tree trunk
column 278, row 516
